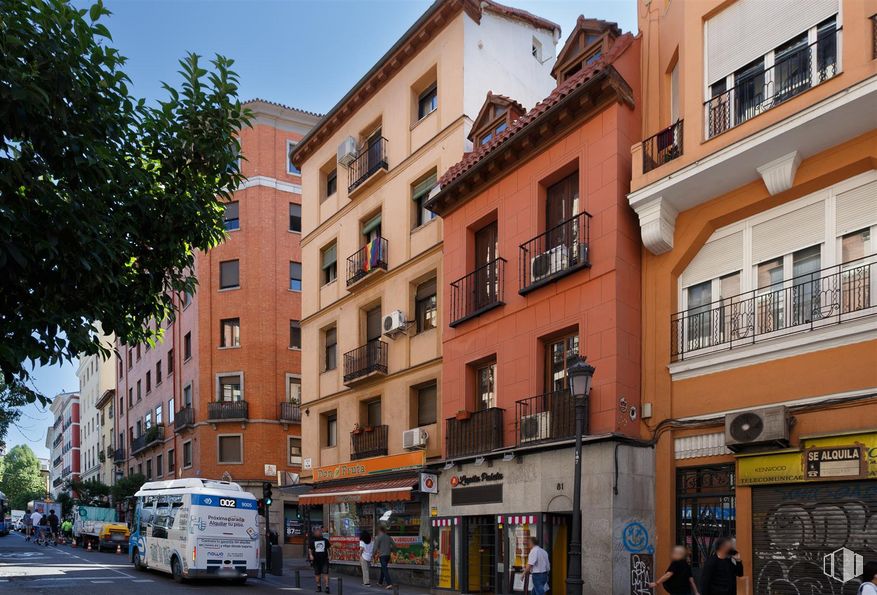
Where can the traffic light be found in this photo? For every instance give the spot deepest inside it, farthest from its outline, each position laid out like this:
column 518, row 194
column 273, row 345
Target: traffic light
column 266, row 493
column 260, row 503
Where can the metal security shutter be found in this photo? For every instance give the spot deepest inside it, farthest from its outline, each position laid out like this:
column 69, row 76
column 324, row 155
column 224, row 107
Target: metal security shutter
column 748, row 29
column 794, row 528
column 857, row 208
column 717, row 257
column 787, row 233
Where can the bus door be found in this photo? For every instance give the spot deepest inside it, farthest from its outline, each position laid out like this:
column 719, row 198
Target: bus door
column 159, row 546
column 143, row 518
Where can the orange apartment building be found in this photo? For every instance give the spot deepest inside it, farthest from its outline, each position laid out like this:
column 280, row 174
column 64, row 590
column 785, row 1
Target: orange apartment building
column 541, row 258
column 756, row 191
column 219, row 397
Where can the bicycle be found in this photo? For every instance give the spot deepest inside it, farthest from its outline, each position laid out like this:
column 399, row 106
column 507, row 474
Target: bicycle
column 45, row 537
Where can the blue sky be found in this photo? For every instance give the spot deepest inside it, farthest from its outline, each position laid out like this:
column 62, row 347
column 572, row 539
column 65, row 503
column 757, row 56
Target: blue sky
column 303, row 53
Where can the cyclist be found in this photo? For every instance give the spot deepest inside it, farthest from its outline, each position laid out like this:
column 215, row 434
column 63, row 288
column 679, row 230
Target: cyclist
column 35, row 519
column 53, row 526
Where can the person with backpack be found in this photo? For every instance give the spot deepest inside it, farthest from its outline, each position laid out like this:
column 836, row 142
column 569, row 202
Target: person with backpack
column 869, row 579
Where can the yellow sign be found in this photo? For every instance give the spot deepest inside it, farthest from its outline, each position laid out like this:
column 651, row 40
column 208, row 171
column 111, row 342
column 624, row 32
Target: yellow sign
column 366, row 467
column 853, row 456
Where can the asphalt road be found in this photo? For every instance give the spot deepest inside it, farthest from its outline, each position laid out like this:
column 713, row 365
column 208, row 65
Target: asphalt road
column 31, row 569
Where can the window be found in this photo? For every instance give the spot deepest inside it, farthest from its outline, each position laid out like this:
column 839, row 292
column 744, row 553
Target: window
column 187, row 396
column 130, row 397
column 425, row 309
column 485, row 384
column 138, row 353
column 230, row 216
column 229, row 388
column 536, row 49
column 426, row 404
column 171, row 461
column 229, row 274
column 557, row 354
column 427, row 102
column 147, row 421
column 159, row 466
column 331, row 430
column 230, row 332
column 293, row 389
column 331, row 183
column 170, row 411
column 373, row 413
column 130, row 358
column 329, row 264
column 187, row 454
column 170, row 362
column 158, row 372
column 187, row 346
column 149, row 469
column 290, row 166
column 294, row 217
column 294, row 334
column 295, row 276
column 420, row 193
column 186, row 298
column 139, row 391
column 148, row 382
column 158, row 415
column 330, row 357
column 294, row 451
column 120, row 369
column 230, row 449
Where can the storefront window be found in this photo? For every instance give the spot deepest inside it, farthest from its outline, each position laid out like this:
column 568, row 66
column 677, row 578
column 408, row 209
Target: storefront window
column 519, row 548
column 405, row 523
column 445, row 568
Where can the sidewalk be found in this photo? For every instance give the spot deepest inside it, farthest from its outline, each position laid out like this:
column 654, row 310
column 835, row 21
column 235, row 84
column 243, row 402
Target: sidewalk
column 350, row 584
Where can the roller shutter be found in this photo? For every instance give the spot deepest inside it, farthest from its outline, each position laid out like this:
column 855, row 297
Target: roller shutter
column 790, row 232
column 857, row 208
column 717, row 257
column 799, row 533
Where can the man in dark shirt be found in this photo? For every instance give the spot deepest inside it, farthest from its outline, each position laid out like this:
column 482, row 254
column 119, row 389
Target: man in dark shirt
column 318, row 555
column 721, row 570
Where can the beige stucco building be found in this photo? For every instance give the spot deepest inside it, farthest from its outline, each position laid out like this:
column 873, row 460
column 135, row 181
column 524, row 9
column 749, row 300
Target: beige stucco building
column 97, row 384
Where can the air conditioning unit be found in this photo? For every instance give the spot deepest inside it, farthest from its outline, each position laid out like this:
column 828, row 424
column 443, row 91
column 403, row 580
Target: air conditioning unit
column 535, row 427
column 757, row 428
column 395, row 323
column 550, row 262
column 347, row 151
column 415, row 438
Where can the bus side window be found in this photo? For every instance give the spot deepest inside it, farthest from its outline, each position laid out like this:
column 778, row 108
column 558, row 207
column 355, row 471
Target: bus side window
column 162, row 518
column 146, row 514
column 175, row 510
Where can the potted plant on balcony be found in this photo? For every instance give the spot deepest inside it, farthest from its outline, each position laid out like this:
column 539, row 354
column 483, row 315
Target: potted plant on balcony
column 463, row 414
column 369, row 429
column 357, row 429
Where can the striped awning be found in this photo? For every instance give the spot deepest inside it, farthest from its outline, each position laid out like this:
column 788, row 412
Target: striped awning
column 389, row 490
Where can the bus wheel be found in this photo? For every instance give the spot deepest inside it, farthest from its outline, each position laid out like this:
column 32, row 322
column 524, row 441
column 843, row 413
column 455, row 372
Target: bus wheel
column 176, row 569
column 138, row 562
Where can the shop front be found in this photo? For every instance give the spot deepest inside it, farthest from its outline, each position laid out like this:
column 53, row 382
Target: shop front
column 371, row 493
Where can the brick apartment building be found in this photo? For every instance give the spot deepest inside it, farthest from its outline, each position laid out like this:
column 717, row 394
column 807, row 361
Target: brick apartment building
column 219, row 397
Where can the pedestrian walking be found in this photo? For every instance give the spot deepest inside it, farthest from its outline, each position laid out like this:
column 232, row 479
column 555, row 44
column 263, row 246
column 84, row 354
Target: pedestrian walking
column 366, row 551
column 53, row 523
column 384, row 547
column 722, row 569
column 318, row 556
column 538, row 566
column 869, row 579
column 28, row 525
column 678, row 579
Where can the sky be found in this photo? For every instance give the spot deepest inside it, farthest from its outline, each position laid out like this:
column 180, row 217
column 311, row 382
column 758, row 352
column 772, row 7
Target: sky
column 302, row 53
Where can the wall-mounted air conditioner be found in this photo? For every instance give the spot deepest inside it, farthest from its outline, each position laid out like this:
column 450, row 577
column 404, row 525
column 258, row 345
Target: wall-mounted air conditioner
column 535, row 427
column 550, row 262
column 415, row 438
column 395, row 323
column 757, row 428
column 347, row 151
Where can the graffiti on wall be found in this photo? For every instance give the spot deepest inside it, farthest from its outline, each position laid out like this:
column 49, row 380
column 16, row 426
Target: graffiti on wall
column 635, row 538
column 641, row 573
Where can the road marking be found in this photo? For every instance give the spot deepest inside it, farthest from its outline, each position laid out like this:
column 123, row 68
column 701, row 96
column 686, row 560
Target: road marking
column 288, row 589
column 142, row 580
column 102, row 582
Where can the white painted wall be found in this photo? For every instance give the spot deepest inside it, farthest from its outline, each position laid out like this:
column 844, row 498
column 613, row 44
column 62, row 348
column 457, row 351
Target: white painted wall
column 96, row 375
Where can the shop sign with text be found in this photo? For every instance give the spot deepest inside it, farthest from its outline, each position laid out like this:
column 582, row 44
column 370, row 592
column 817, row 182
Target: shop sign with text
column 367, row 467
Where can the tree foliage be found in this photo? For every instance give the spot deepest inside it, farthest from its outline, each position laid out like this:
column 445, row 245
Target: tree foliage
column 64, row 502
column 104, row 199
column 91, row 492
column 21, row 480
column 126, row 487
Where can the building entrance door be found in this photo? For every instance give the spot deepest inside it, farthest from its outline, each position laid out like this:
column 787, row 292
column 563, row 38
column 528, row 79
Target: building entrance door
column 480, row 534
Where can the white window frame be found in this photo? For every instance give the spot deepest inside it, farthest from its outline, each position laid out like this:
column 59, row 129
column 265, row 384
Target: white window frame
column 218, row 387
column 289, row 460
column 289, row 376
column 219, row 438
column 290, row 145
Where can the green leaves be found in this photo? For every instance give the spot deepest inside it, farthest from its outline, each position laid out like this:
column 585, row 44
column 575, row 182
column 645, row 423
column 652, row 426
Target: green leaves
column 21, row 480
column 104, row 198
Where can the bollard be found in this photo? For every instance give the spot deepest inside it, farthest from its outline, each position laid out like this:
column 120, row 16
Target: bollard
column 339, row 586
column 297, row 582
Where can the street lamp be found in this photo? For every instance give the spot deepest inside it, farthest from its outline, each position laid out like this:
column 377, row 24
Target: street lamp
column 580, row 374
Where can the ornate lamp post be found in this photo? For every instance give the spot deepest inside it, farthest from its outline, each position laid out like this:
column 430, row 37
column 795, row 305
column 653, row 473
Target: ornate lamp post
column 580, row 374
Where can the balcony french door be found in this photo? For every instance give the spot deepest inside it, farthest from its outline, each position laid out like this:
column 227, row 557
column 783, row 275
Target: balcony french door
column 486, row 282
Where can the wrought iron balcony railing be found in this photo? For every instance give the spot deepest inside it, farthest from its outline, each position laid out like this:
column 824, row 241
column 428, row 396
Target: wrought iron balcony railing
column 365, row 360
column 833, row 295
column 151, row 436
column 57, row 461
column 369, row 442
column 663, row 147
column 791, row 75
column 57, row 440
column 480, row 433
column 479, row 291
column 555, row 253
column 290, row 412
column 371, row 159
column 874, row 36
column 370, row 258
column 56, row 482
column 221, row 410
column 551, row 416
column 184, row 418
column 119, row 455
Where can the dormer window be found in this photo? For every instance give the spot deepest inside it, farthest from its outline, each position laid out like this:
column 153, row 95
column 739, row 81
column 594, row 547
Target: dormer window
column 588, row 42
column 496, row 115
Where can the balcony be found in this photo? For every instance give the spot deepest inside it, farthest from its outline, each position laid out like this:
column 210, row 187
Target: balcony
column 57, row 461
column 227, row 411
column 290, row 412
column 367, row 360
column 476, row 433
column 119, row 455
column 834, row 295
column 795, row 73
column 545, row 418
column 561, row 250
column 57, row 481
column 153, row 435
column 184, row 418
column 369, row 442
column 663, row 147
column 57, row 440
column 371, row 258
column 873, row 18
column 110, row 451
column 478, row 292
column 371, row 160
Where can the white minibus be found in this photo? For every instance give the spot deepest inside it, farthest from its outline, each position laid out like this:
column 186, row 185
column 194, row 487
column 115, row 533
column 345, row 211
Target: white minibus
column 195, row 528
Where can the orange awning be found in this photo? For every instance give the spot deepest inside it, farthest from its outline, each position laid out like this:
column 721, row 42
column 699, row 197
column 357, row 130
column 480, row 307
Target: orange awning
column 389, row 490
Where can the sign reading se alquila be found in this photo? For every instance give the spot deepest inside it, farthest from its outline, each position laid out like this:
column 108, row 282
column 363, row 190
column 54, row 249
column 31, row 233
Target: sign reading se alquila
column 852, row 456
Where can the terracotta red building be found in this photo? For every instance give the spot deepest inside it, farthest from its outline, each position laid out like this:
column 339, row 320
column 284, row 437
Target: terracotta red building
column 543, row 256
